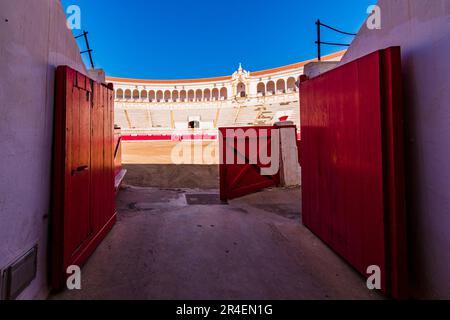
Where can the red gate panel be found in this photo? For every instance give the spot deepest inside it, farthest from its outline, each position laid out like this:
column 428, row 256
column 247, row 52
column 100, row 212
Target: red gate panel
column 83, row 170
column 352, row 164
column 237, row 180
column 119, row 173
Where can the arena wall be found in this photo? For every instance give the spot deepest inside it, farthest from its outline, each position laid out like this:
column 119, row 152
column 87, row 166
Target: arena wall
column 422, row 30
column 34, row 40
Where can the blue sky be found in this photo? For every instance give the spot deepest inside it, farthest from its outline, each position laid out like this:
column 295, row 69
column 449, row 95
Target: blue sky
column 176, row 39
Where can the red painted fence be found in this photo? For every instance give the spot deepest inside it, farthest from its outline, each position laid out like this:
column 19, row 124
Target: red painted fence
column 83, row 170
column 237, row 179
column 169, row 137
column 352, row 164
column 117, row 152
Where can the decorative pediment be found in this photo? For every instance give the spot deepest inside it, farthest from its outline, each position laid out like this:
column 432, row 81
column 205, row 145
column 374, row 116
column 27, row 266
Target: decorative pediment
column 240, row 75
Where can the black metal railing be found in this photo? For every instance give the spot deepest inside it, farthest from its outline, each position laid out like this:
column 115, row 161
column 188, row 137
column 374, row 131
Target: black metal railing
column 319, row 42
column 88, row 48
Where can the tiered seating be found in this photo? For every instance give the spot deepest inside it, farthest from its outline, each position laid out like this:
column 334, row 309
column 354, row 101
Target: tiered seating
column 120, row 118
column 226, row 117
column 289, row 108
column 161, row 118
column 184, row 114
column 265, row 116
column 295, row 115
column 139, row 118
column 247, row 116
column 260, row 114
column 207, row 114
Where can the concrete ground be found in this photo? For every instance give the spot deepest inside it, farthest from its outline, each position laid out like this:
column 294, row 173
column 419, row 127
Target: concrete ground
column 252, row 248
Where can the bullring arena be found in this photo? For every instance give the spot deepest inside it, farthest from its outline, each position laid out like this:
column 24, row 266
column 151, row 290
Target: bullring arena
column 115, row 188
column 154, row 118
column 154, row 115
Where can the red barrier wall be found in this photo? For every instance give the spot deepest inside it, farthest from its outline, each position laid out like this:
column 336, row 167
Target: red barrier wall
column 83, row 170
column 117, row 152
column 237, row 180
column 168, row 137
column 352, row 164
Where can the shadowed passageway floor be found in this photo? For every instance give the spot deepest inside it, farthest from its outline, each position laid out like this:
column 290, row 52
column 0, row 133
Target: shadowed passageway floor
column 172, row 175
column 252, row 248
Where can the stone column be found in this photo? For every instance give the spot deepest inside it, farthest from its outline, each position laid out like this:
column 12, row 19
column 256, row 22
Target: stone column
column 290, row 171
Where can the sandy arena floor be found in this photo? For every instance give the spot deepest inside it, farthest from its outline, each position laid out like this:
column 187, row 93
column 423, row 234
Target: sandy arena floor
column 170, row 152
column 168, row 164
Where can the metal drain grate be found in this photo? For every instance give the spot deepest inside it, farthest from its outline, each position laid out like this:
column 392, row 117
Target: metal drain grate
column 204, row 199
column 19, row 275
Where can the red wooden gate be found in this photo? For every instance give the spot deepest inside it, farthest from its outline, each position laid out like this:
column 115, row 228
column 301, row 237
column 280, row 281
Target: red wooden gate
column 352, row 164
column 83, row 170
column 240, row 160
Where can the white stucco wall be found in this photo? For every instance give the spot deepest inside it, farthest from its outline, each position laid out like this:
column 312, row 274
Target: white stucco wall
column 33, row 41
column 422, row 29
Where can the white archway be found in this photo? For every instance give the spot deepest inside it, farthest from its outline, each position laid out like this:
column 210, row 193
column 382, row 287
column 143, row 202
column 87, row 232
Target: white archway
column 198, row 95
column 175, row 95
column 223, row 94
column 183, row 95
column 270, row 87
column 281, row 86
column 215, row 94
column 261, row 89
column 291, row 86
column 167, row 96
column 152, row 96
column 191, row 95
column 241, row 90
column 159, row 96
column 207, row 94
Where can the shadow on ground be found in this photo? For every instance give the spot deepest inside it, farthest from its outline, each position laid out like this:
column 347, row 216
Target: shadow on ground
column 254, row 247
